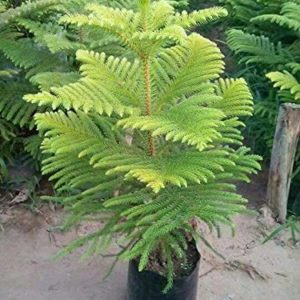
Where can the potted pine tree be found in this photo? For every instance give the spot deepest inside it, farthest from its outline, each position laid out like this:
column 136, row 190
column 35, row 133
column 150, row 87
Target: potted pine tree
column 149, row 142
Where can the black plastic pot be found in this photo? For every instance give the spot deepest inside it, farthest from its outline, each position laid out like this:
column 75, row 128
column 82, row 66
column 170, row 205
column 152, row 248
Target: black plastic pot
column 148, row 285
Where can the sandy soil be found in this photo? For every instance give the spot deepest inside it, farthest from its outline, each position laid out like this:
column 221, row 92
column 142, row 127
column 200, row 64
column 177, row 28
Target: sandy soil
column 251, row 270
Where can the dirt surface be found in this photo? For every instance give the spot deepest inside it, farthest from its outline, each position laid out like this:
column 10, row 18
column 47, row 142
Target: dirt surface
column 251, row 270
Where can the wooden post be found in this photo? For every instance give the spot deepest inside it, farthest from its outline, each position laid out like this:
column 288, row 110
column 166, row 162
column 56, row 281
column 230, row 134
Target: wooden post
column 282, row 160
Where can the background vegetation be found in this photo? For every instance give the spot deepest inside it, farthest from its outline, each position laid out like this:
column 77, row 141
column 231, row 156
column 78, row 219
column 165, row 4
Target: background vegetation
column 264, row 36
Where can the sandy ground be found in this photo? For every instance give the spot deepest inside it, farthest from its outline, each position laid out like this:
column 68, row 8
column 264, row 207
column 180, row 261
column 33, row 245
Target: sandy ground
column 251, row 270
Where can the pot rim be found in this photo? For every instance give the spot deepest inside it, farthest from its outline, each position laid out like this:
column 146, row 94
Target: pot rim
column 195, row 268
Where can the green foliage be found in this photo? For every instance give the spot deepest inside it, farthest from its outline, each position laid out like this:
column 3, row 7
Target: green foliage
column 265, row 40
column 7, row 134
column 292, row 224
column 37, row 52
column 149, row 139
column 267, row 47
column 289, row 16
column 286, row 81
column 243, row 11
column 21, row 57
column 256, row 49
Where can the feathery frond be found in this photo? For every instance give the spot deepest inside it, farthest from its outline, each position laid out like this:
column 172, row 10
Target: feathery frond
column 286, row 81
column 290, row 17
column 257, row 49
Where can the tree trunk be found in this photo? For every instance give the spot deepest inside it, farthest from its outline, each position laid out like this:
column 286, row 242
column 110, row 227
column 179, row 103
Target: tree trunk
column 282, row 161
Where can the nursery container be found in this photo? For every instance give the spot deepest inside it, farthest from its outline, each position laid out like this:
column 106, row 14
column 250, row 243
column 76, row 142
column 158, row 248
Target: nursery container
column 148, row 285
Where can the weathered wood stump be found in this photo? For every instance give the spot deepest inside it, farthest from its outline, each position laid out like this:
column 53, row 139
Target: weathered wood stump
column 282, row 160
